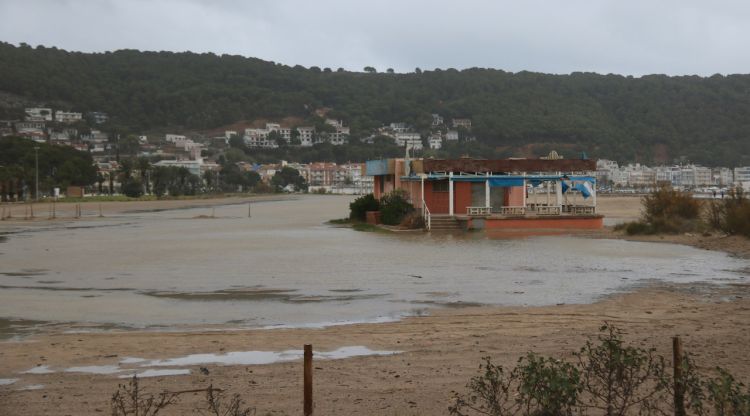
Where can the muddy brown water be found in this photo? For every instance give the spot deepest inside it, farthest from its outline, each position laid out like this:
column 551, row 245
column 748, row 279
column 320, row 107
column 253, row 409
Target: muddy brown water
column 285, row 266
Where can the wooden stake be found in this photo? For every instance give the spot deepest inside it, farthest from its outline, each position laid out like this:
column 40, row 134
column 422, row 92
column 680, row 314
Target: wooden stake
column 679, row 383
column 248, row 210
column 308, row 378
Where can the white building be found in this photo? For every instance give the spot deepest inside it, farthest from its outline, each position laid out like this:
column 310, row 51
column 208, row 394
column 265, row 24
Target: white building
column 414, row 140
column 462, row 122
column 172, row 138
column 67, row 117
column 99, row 117
column 399, row 127
column 306, row 136
column 436, row 143
column 38, row 114
column 437, row 120
column 723, row 176
column 451, row 136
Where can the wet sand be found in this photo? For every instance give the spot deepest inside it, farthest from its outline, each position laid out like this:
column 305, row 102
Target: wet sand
column 440, row 352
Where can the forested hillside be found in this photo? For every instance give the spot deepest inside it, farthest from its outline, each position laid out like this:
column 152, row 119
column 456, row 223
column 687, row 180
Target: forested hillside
column 649, row 119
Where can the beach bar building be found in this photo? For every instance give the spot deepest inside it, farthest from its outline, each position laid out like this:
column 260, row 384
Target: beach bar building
column 545, row 193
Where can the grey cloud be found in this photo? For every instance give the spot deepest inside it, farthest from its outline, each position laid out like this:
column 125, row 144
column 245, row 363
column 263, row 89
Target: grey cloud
column 631, row 37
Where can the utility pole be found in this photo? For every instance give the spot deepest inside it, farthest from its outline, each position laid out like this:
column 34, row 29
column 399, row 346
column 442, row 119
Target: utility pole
column 36, row 158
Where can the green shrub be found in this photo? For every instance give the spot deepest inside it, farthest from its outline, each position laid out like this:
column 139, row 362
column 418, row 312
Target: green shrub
column 359, row 207
column 635, row 228
column 132, row 188
column 394, row 207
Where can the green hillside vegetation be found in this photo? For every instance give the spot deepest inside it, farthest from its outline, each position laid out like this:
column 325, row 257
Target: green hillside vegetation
column 653, row 118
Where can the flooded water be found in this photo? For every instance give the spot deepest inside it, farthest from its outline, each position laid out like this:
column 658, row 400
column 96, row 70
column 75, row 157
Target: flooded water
column 285, row 267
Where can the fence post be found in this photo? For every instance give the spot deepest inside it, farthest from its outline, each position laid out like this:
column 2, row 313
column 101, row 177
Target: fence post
column 679, row 383
column 308, row 406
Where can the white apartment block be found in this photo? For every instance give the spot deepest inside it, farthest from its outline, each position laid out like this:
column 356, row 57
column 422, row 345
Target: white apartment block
column 38, row 114
column 413, row 140
column 306, row 136
column 723, row 176
column 742, row 174
column 451, row 136
column 67, row 117
column 172, row 138
column 462, row 122
column 399, row 127
column 437, row 120
column 436, row 143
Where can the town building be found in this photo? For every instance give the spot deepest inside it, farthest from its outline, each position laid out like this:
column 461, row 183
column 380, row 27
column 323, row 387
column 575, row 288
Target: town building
column 67, row 117
column 437, row 120
column 462, row 122
column 306, row 136
column 451, row 136
column 38, row 114
column 435, row 143
column 98, row 117
column 413, row 140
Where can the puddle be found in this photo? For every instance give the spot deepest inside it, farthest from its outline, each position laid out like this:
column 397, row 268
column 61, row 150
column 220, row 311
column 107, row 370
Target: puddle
column 95, row 369
column 263, row 357
column 7, row 381
column 40, row 369
column 158, row 373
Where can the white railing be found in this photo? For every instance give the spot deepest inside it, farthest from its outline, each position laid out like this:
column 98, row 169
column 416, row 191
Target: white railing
column 583, row 210
column 471, row 211
column 426, row 215
column 512, row 210
column 547, row 210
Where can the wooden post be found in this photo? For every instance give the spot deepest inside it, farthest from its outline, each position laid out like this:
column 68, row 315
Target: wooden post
column 53, row 210
column 308, row 406
column 31, row 207
column 100, row 211
column 679, row 384
column 248, row 210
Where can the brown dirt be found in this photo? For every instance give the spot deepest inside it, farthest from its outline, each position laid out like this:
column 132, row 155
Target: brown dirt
column 90, row 210
column 440, row 354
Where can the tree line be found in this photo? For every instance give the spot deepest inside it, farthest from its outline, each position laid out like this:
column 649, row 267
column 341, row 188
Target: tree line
column 654, row 118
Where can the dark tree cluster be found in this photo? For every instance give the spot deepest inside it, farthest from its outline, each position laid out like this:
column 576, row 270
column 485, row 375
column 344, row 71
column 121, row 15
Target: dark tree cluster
column 654, row 118
column 59, row 166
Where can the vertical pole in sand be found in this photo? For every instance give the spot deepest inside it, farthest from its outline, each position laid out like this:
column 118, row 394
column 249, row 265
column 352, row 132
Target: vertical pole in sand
column 248, row 210
column 679, row 383
column 54, row 214
column 213, row 212
column 100, row 211
column 31, row 207
column 2, row 213
column 308, row 378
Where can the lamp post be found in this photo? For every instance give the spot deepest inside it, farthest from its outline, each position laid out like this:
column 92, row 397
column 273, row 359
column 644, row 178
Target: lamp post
column 36, row 159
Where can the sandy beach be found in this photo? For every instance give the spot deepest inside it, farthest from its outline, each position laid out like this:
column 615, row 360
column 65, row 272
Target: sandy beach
column 433, row 356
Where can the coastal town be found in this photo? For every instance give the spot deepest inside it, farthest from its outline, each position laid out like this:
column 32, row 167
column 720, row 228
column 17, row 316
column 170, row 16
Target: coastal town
column 204, row 155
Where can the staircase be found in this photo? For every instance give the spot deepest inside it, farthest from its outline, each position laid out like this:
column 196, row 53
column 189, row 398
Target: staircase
column 444, row 223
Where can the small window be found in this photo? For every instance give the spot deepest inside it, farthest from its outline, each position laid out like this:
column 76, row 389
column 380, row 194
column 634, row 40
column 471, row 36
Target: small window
column 440, row 186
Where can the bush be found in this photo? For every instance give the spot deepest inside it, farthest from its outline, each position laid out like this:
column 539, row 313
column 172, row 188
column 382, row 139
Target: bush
column 635, row 227
column 358, row 209
column 394, row 207
column 731, row 215
column 132, row 188
column 667, row 211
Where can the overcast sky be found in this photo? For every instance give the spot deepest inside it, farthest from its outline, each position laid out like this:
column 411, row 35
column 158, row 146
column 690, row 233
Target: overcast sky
column 632, row 37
